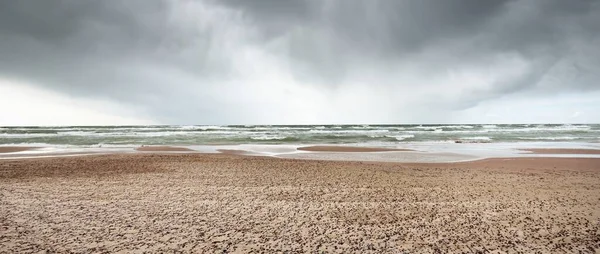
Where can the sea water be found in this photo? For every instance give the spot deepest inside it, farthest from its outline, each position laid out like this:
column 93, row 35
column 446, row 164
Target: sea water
column 376, row 135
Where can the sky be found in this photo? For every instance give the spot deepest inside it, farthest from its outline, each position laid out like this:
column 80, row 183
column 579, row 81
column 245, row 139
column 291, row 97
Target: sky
column 114, row 62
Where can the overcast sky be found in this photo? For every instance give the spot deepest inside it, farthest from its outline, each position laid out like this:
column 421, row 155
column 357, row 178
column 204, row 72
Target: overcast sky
column 65, row 62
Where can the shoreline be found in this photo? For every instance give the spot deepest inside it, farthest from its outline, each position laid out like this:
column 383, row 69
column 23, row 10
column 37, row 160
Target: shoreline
column 350, row 149
column 561, row 151
column 500, row 162
column 406, row 153
column 16, row 149
column 311, row 156
column 163, row 149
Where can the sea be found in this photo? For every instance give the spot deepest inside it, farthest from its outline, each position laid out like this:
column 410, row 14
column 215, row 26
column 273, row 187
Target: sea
column 366, row 134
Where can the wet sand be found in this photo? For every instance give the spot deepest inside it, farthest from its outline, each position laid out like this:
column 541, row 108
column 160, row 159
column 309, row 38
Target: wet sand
column 351, row 149
column 163, row 149
column 14, row 149
column 229, row 203
column 236, row 152
column 561, row 151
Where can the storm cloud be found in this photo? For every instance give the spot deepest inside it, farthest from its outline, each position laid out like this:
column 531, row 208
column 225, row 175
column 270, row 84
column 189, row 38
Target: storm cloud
column 284, row 61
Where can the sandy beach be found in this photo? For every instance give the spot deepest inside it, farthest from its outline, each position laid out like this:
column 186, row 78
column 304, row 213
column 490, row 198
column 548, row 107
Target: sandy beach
column 231, row 203
column 14, row 149
column 253, row 126
column 163, row 149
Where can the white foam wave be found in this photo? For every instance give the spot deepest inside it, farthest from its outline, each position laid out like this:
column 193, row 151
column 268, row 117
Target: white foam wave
column 457, row 126
column 403, row 137
column 427, row 127
column 366, row 132
column 360, row 127
column 549, row 138
column 476, row 138
column 204, row 127
column 268, row 138
column 29, row 135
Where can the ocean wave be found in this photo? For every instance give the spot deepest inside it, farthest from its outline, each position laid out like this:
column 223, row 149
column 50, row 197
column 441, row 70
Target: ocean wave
column 362, row 126
column 275, row 138
column 317, row 134
column 402, row 137
column 31, row 135
column 268, row 138
column 476, row 138
column 549, row 138
column 457, row 126
column 427, row 127
column 204, row 127
column 348, row 131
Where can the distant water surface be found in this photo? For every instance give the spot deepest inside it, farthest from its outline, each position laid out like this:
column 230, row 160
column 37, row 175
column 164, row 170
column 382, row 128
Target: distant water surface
column 296, row 134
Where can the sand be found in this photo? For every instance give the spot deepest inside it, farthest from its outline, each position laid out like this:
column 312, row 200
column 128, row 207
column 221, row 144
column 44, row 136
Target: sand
column 236, row 152
column 226, row 203
column 561, row 151
column 14, row 149
column 349, row 149
column 163, row 149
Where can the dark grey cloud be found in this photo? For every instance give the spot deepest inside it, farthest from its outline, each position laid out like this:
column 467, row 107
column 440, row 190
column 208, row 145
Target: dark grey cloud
column 387, row 25
column 352, row 34
column 327, row 36
column 129, row 51
column 166, row 56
